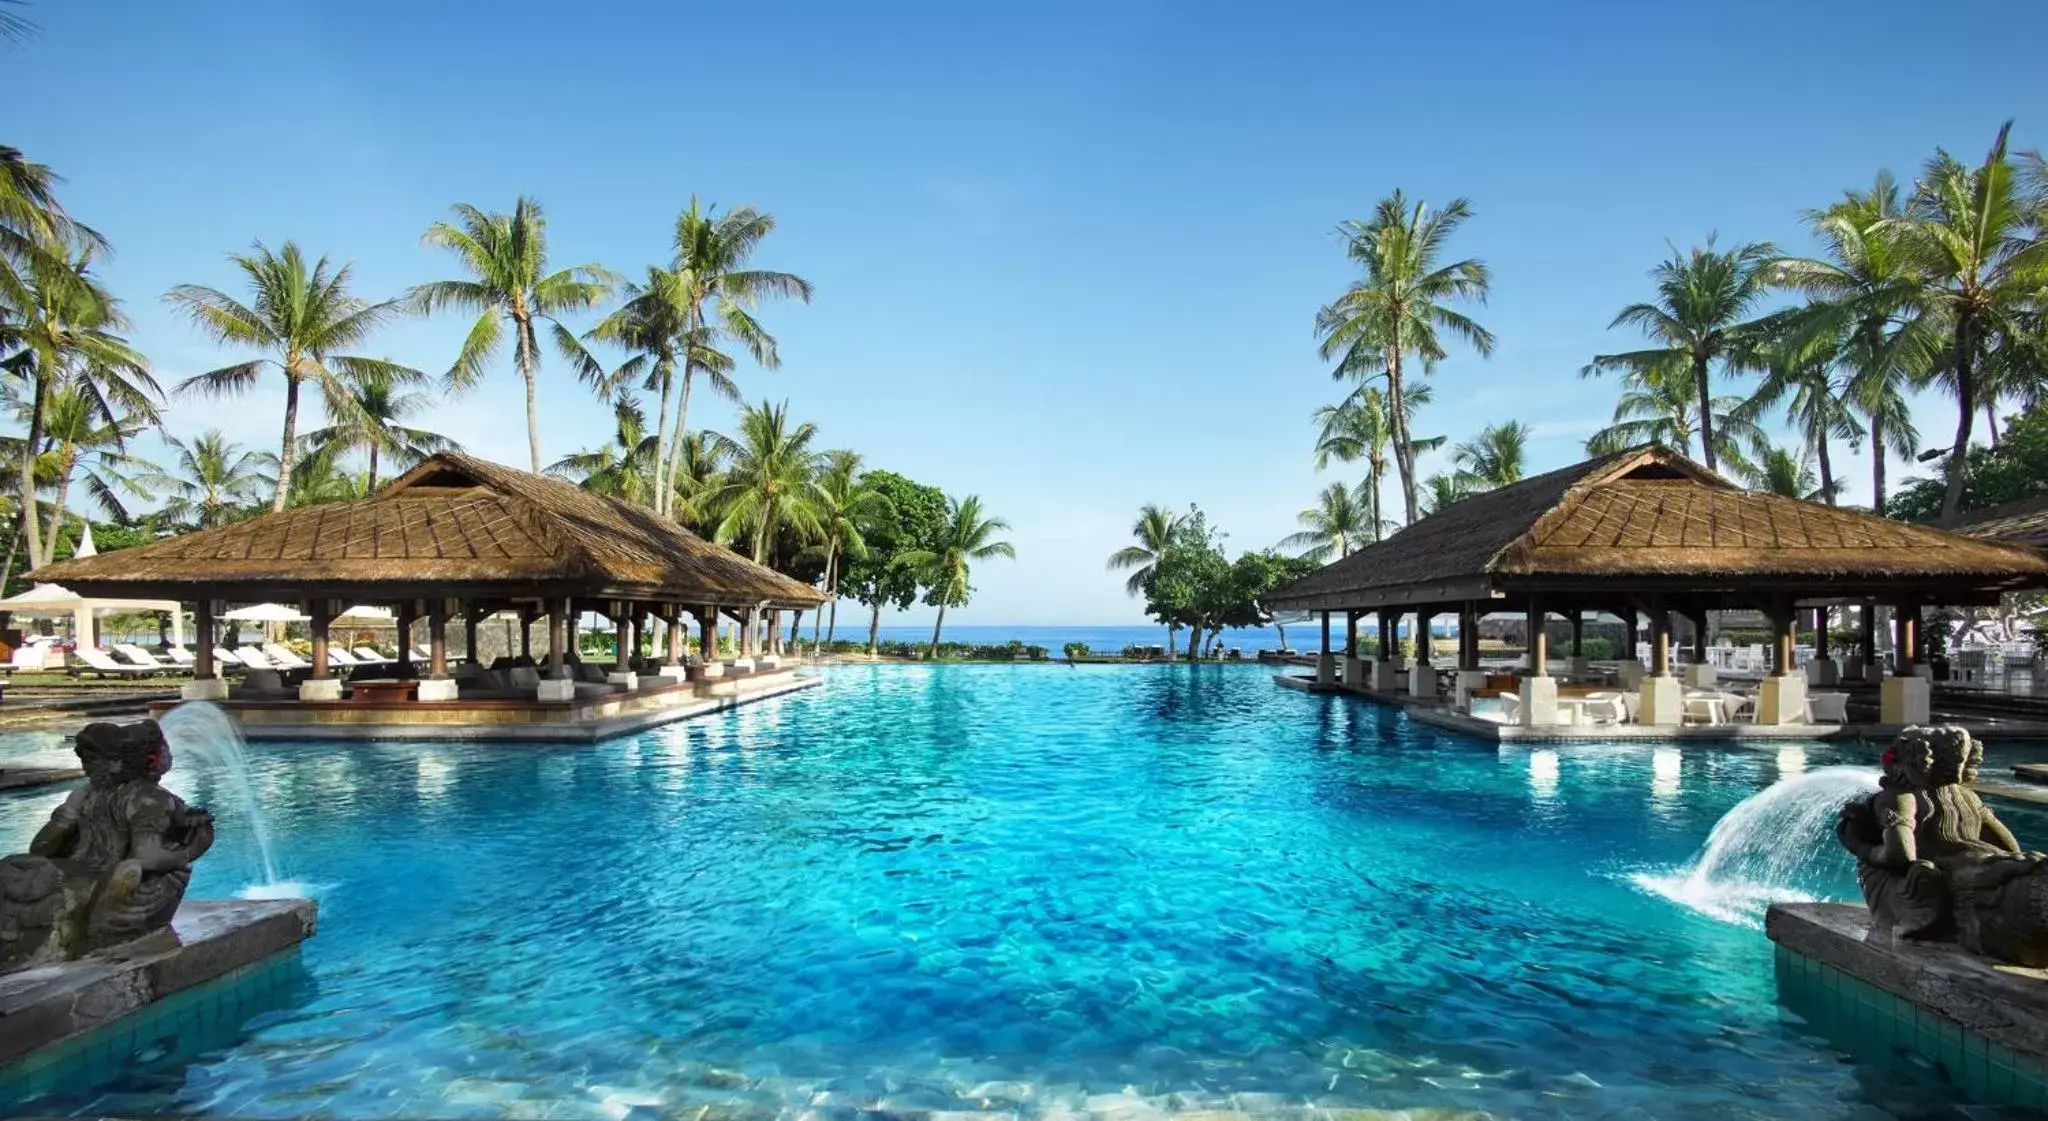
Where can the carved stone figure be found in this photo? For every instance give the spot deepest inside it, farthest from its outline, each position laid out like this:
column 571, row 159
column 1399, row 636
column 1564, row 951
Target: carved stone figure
column 112, row 864
column 1934, row 862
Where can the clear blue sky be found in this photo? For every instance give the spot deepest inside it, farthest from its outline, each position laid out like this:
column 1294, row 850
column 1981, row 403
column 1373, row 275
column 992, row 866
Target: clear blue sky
column 1067, row 255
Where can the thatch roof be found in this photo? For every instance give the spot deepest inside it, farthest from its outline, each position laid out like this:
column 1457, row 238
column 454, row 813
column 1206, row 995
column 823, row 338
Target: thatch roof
column 2022, row 521
column 454, row 525
column 1651, row 518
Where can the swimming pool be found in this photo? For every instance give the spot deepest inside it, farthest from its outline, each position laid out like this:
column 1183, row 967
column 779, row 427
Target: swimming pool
column 1037, row 889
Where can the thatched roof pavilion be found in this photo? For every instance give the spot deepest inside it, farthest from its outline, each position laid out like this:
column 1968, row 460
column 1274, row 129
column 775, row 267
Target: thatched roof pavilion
column 454, row 535
column 2023, row 521
column 1649, row 531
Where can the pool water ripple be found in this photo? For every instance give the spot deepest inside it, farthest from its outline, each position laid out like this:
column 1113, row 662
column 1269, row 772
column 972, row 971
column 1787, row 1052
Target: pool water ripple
column 1020, row 888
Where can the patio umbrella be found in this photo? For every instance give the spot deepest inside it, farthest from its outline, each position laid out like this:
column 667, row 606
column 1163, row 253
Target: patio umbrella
column 266, row 613
column 364, row 615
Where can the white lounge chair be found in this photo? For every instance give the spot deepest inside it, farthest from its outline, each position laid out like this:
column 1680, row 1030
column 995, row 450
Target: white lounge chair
column 97, row 663
column 1827, row 708
column 1511, row 708
column 227, row 657
column 180, row 656
column 284, row 657
column 1605, row 708
column 136, row 655
column 369, row 656
column 337, row 658
column 254, row 658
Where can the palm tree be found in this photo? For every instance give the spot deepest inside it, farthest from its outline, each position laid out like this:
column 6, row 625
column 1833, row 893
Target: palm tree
column 507, row 259
column 215, row 481
column 1657, row 406
column 847, row 506
column 1971, row 237
column 1336, row 524
column 1447, row 489
column 1783, row 473
column 700, row 465
column 1700, row 317
column 58, row 325
column 968, row 536
column 1863, row 293
column 711, row 254
column 303, row 317
column 1799, row 371
column 621, row 469
column 318, row 477
column 1397, row 308
column 375, row 421
column 1152, row 534
column 772, row 480
column 1494, row 458
column 80, row 435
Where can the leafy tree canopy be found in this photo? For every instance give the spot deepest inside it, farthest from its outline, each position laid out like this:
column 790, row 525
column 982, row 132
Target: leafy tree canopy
column 918, row 521
column 2016, row 468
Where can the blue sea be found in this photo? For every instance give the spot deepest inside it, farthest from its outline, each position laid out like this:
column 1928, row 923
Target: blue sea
column 1100, row 639
column 1109, row 892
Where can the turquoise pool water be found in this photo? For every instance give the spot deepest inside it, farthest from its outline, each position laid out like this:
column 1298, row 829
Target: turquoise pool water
column 1033, row 889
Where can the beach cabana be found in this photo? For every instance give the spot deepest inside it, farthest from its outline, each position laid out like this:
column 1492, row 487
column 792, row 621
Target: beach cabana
column 455, row 537
column 54, row 601
column 1647, row 534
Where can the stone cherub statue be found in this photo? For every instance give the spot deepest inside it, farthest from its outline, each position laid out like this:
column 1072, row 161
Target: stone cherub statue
column 112, row 864
column 1935, row 863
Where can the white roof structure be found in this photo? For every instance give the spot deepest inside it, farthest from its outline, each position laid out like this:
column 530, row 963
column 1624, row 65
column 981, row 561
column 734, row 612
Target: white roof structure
column 55, row 601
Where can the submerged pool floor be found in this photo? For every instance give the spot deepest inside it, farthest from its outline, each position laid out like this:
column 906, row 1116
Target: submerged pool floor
column 1019, row 889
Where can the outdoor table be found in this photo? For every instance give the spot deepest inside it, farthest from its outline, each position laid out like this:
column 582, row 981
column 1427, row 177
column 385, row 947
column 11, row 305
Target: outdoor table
column 1571, row 710
column 1712, row 705
column 367, row 692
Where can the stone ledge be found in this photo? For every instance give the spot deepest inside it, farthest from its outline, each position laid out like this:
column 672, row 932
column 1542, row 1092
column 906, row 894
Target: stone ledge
column 52, row 1003
column 2005, row 1004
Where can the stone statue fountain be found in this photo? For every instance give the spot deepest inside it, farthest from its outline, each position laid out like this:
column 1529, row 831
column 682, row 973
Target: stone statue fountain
column 112, row 864
column 1935, row 864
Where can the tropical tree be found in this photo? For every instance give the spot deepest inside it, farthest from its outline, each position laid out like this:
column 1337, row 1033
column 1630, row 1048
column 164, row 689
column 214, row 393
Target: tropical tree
column 374, row 422
column 1334, row 526
column 1971, row 236
column 917, row 516
column 1799, row 372
column 699, row 463
column 967, row 535
column 622, row 468
column 1152, row 534
column 1446, row 489
column 1657, row 406
column 213, row 481
column 1702, row 316
column 506, row 256
column 846, row 507
column 81, row 436
column 712, row 252
column 319, row 477
column 771, row 480
column 1863, row 293
column 1790, row 474
column 1398, row 308
column 303, row 318
column 1494, row 458
column 59, row 326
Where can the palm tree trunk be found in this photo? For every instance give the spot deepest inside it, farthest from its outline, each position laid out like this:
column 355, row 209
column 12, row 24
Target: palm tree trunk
column 527, row 362
column 1877, row 454
column 1702, row 386
column 874, row 625
column 937, row 625
column 1966, row 411
column 1991, row 422
column 662, row 493
column 1827, row 470
column 1171, row 630
column 372, row 485
column 29, row 449
column 1397, row 407
column 1372, row 475
column 67, row 466
column 1195, row 642
column 831, row 552
column 675, row 449
column 291, row 436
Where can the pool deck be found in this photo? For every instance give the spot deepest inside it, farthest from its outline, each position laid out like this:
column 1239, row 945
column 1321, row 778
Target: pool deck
column 1441, row 716
column 507, row 721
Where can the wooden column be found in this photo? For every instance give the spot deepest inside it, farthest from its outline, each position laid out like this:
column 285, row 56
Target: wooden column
column 558, row 638
column 675, row 636
column 707, row 634
column 622, row 623
column 1468, row 637
column 1326, row 634
column 1906, row 637
column 526, row 633
column 1867, row 619
column 437, row 639
column 323, row 618
column 1698, row 619
column 1578, row 618
column 469, row 633
column 1630, row 633
column 1539, row 641
column 1422, row 642
column 1660, row 641
column 1820, row 632
column 202, row 657
column 1351, row 634
column 405, row 620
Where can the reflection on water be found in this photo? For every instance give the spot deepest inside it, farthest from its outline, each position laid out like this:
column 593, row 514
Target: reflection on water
column 1543, row 774
column 1791, row 762
column 1666, row 767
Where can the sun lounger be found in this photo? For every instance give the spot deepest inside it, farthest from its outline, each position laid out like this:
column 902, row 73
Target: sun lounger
column 131, row 654
column 369, row 656
column 284, row 657
column 180, row 656
column 98, row 664
column 253, row 658
column 1605, row 708
column 1827, row 708
column 337, row 658
column 262, row 685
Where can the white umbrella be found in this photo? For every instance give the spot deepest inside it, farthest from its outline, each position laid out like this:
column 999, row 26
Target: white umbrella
column 364, row 615
column 266, row 613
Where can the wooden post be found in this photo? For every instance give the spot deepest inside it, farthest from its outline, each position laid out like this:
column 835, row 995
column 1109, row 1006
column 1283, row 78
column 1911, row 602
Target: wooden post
column 526, row 615
column 437, row 639
column 1660, row 641
column 1539, row 640
column 558, row 639
column 1906, row 637
column 1867, row 620
column 322, row 620
column 675, row 635
column 1468, row 637
column 1578, row 618
column 1351, row 634
column 1326, row 634
column 1698, row 620
column 1820, row 632
column 405, row 620
column 1422, row 642
column 622, row 623
column 707, row 636
column 202, row 658
column 1630, row 634
column 469, row 634
column 1782, row 615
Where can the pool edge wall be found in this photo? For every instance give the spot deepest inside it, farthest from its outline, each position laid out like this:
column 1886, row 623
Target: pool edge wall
column 1983, row 1025
column 76, row 1024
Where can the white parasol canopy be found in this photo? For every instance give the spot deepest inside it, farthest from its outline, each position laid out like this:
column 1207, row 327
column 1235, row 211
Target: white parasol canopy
column 364, row 615
column 266, row 613
column 55, row 601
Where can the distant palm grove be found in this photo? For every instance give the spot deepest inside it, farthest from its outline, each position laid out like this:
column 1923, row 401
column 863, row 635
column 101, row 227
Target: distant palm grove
column 1937, row 285
column 769, row 488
